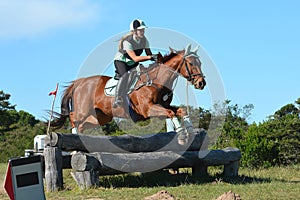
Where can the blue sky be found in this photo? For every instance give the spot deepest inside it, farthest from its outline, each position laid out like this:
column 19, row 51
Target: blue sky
column 255, row 45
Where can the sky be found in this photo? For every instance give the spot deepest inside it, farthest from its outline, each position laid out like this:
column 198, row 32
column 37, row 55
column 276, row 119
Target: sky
column 254, row 46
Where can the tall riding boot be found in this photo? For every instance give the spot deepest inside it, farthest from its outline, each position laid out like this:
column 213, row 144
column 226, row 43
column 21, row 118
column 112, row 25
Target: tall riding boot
column 121, row 90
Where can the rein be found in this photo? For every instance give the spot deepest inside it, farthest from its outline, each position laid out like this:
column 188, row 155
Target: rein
column 184, row 63
column 150, row 82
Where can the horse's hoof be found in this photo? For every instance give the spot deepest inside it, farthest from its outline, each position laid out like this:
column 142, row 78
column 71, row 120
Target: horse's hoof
column 182, row 142
column 183, row 138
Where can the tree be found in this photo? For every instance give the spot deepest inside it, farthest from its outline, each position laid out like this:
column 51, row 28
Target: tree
column 235, row 124
column 204, row 118
column 298, row 102
column 273, row 142
column 5, row 111
column 9, row 115
column 4, row 103
column 26, row 119
column 289, row 109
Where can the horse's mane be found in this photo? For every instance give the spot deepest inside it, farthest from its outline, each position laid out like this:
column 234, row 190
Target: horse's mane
column 169, row 56
column 164, row 59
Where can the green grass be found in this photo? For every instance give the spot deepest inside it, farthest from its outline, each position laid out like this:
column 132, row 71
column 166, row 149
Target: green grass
column 271, row 183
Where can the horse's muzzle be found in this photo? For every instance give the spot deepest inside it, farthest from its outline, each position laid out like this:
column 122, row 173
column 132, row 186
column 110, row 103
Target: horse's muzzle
column 200, row 84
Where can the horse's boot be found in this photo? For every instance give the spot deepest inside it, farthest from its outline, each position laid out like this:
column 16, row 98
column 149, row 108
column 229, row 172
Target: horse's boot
column 121, row 91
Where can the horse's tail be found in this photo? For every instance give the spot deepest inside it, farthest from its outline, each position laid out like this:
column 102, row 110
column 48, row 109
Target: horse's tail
column 59, row 119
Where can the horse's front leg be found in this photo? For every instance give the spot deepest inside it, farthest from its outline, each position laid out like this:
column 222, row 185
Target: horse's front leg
column 156, row 110
column 182, row 112
column 173, row 124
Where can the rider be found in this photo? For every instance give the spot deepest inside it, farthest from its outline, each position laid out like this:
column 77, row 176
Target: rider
column 131, row 46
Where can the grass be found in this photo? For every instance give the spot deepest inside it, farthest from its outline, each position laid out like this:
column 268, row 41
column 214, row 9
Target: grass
column 271, row 183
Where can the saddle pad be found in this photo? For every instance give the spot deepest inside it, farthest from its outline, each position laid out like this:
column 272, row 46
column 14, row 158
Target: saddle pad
column 110, row 87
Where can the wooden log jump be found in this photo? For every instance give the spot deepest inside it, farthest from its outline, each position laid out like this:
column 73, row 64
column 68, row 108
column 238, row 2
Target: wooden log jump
column 125, row 143
column 114, row 163
column 107, row 155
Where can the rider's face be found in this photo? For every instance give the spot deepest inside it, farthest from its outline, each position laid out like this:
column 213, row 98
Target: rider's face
column 140, row 33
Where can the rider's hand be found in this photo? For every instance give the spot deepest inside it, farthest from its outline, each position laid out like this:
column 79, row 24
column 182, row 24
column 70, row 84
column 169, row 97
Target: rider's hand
column 154, row 57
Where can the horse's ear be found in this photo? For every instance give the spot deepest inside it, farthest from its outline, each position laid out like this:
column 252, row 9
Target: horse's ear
column 195, row 49
column 159, row 58
column 187, row 50
column 172, row 50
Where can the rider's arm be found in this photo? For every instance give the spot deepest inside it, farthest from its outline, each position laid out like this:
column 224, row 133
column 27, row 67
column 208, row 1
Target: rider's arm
column 148, row 51
column 129, row 50
column 147, row 48
column 136, row 58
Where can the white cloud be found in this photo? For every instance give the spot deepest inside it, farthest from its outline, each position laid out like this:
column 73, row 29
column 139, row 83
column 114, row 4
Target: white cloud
column 28, row 18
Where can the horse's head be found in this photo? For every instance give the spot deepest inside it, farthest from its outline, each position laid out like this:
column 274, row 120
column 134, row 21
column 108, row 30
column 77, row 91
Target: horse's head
column 189, row 66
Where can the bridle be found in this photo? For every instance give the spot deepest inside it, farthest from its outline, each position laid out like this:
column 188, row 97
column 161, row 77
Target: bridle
column 182, row 64
column 190, row 75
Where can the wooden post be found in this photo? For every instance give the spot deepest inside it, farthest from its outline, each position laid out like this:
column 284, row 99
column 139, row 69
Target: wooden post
column 199, row 171
column 231, row 169
column 86, row 179
column 53, row 169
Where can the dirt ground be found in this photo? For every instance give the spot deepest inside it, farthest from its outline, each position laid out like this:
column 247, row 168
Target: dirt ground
column 161, row 195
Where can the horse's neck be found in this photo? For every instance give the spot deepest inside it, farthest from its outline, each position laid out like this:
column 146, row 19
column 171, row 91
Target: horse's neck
column 163, row 75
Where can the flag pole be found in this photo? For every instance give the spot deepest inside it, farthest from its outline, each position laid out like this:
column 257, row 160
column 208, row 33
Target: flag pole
column 51, row 113
column 187, row 98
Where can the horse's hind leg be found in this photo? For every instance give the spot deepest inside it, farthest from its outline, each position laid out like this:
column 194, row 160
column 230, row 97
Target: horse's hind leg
column 72, row 122
column 90, row 122
column 102, row 118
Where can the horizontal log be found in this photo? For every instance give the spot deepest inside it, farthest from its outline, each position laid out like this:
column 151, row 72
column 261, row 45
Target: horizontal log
column 125, row 143
column 114, row 163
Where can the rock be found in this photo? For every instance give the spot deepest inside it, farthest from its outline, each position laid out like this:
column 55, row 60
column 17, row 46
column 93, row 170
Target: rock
column 161, row 195
column 229, row 196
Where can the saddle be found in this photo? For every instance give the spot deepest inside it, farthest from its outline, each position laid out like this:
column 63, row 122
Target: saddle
column 134, row 76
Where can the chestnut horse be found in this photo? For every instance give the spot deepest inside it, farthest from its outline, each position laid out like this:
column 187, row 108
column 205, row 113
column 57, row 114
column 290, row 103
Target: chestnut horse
column 85, row 103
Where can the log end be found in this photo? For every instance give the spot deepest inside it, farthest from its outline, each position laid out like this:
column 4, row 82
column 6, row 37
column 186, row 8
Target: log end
column 52, row 139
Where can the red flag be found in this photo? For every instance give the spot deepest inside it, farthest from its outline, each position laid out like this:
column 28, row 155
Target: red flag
column 8, row 186
column 55, row 91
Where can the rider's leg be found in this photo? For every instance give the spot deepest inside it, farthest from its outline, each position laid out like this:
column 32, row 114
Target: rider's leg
column 121, row 70
column 121, row 90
